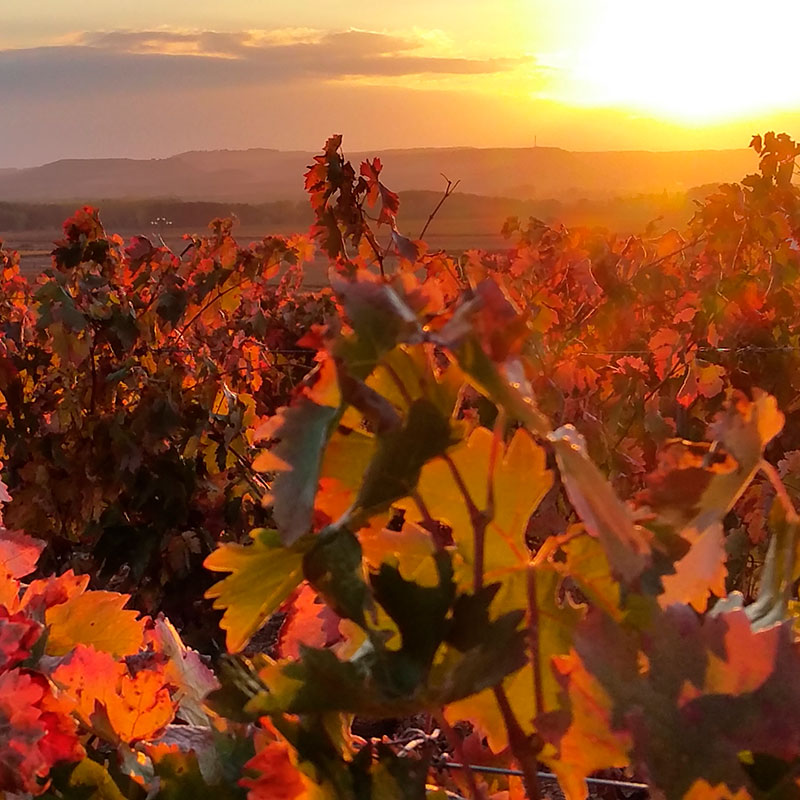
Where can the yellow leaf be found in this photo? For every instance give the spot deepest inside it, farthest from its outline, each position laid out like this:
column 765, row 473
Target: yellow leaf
column 95, row 619
column 521, row 480
column 262, row 576
column 556, row 622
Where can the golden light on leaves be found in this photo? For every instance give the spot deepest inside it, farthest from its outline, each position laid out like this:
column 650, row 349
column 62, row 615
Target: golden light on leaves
column 95, row 619
column 262, row 576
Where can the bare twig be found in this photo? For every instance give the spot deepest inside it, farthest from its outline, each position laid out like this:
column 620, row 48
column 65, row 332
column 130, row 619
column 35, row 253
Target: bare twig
column 783, row 496
column 449, row 189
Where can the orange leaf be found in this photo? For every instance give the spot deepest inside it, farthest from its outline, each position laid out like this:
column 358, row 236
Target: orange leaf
column 700, row 571
column 590, row 742
column 308, row 623
column 102, row 690
column 278, row 778
column 701, row 789
column 53, row 590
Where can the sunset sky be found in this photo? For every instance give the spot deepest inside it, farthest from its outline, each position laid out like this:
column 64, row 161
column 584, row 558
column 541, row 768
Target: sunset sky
column 155, row 77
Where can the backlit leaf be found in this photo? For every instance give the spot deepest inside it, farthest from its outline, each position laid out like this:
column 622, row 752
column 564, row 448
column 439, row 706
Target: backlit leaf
column 109, row 697
column 262, row 576
column 95, row 619
column 19, row 552
column 626, row 545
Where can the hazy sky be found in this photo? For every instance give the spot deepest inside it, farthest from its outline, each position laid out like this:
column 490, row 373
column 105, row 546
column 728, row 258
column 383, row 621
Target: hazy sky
column 151, row 78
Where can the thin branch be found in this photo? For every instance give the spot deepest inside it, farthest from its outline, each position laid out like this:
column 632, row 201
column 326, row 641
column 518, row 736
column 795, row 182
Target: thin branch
column 208, row 305
column 738, row 247
column 449, row 189
column 477, row 518
column 533, row 639
column 780, row 490
column 488, row 513
column 428, row 522
column 520, row 745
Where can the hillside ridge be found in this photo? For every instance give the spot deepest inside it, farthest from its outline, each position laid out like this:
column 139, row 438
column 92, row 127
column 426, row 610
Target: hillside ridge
column 263, row 174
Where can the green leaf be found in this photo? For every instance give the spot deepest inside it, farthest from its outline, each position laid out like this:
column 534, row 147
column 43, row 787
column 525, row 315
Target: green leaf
column 333, row 568
column 401, row 454
column 304, row 431
column 420, row 611
column 380, row 320
column 780, row 571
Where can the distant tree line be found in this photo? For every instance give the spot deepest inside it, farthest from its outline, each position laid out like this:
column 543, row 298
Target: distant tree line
column 631, row 213
column 138, row 214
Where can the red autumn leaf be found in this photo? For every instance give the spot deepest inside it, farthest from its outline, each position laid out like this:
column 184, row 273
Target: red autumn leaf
column 43, row 593
column 35, row 732
column 665, row 345
column 19, row 552
column 377, row 192
column 18, row 634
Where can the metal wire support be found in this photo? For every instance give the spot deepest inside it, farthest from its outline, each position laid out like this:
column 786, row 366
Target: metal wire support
column 548, row 775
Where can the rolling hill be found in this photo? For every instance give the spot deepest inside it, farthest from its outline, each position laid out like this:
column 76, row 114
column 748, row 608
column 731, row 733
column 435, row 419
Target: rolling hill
column 261, row 175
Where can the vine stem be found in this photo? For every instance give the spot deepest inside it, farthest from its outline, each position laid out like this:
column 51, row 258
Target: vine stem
column 455, row 742
column 520, row 745
column 477, row 518
column 783, row 496
column 208, row 304
column 533, row 638
column 488, row 514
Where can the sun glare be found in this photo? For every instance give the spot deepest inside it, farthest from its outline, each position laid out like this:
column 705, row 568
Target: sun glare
column 693, row 61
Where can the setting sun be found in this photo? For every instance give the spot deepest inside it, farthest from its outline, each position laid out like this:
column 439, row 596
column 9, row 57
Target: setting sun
column 693, row 62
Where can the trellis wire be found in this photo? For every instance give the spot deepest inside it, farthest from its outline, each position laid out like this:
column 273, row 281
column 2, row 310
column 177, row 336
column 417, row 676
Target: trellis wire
column 746, row 349
column 549, row 775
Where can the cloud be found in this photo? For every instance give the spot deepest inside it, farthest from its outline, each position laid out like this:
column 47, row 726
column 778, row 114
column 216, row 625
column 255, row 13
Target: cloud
column 128, row 60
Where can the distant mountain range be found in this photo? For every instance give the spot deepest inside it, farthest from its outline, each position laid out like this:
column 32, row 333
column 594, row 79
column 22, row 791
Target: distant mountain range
column 260, row 175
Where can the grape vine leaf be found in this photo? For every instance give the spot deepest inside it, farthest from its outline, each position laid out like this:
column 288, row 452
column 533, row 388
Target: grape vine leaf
column 303, row 430
column 263, row 574
column 19, row 552
column 583, row 739
column 106, row 695
column 627, row 546
column 95, row 618
column 184, row 670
